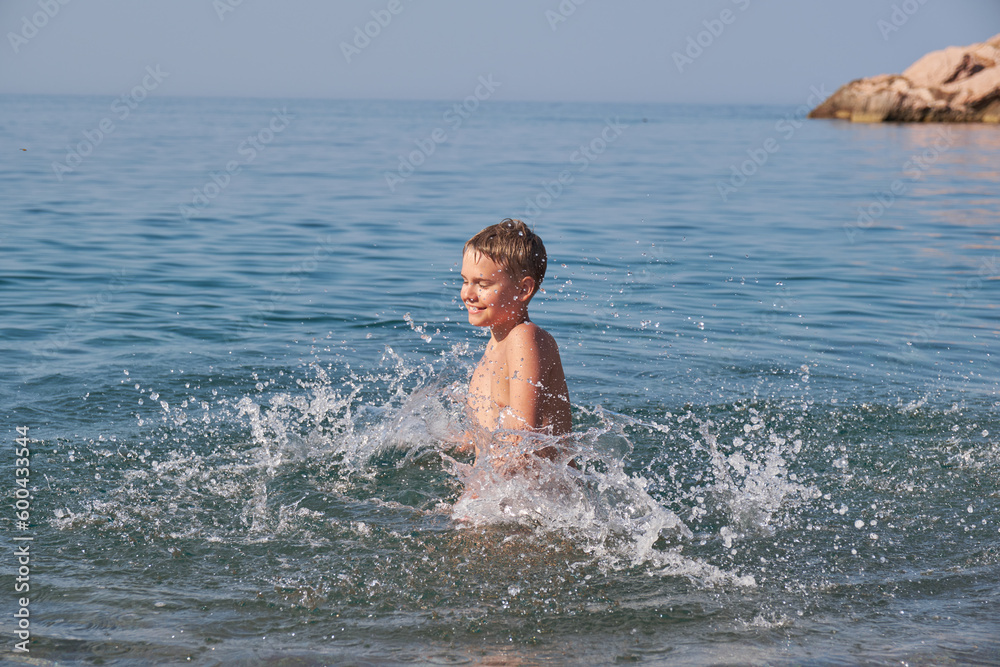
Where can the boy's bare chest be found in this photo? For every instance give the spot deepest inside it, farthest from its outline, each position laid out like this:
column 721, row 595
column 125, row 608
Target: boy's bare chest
column 489, row 387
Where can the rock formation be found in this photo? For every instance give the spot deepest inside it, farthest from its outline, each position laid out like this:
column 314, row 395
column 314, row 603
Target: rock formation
column 960, row 84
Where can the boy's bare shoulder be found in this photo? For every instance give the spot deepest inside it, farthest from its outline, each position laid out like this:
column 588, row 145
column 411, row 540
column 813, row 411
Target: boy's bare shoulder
column 530, row 336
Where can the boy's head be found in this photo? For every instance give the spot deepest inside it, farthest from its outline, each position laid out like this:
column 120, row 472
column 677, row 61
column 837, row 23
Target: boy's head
column 513, row 246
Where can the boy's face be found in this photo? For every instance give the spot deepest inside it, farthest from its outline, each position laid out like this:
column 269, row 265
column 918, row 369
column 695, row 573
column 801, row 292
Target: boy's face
column 490, row 293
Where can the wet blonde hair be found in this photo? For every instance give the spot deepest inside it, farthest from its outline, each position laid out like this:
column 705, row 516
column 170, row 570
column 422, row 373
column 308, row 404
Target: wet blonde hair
column 512, row 245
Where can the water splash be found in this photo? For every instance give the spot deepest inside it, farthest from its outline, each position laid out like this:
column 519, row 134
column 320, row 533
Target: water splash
column 336, row 449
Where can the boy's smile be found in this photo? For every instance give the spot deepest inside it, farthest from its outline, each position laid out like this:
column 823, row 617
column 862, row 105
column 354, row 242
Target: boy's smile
column 490, row 294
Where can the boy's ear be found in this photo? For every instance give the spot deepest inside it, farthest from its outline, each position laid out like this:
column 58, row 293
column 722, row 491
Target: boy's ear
column 526, row 287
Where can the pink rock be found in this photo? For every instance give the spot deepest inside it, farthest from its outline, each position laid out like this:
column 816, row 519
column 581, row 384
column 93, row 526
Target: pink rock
column 959, row 84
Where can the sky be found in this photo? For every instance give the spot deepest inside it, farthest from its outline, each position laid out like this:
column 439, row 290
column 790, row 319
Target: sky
column 661, row 51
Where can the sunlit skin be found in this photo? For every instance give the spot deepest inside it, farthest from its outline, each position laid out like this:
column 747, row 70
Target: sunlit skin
column 519, row 384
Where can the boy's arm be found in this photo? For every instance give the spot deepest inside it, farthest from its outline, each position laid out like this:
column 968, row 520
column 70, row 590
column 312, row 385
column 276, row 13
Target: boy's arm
column 528, row 352
column 533, row 358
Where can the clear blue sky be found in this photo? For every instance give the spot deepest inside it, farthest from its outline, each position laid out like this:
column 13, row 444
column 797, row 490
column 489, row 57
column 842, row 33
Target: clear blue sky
column 765, row 51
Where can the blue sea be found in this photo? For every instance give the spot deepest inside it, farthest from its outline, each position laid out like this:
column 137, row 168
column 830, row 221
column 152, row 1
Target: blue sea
column 235, row 358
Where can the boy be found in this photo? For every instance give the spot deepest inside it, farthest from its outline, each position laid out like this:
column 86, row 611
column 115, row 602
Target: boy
column 519, row 383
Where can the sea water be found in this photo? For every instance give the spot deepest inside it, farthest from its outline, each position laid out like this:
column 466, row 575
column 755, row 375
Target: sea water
column 231, row 333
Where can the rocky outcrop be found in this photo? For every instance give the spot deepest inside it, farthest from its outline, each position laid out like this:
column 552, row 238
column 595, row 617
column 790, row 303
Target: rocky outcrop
column 960, row 84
